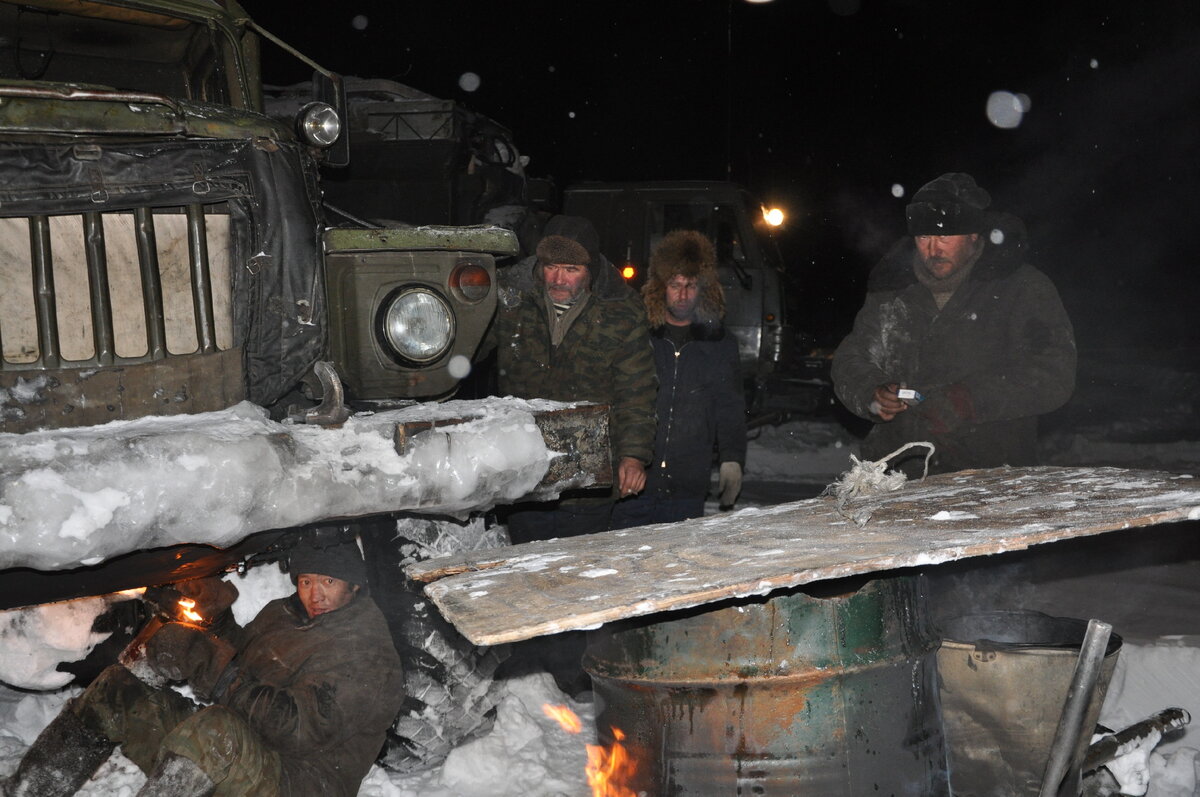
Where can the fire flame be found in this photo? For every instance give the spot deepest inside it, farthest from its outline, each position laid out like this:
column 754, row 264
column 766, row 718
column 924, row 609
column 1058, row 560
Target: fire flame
column 564, row 716
column 185, row 608
column 608, row 768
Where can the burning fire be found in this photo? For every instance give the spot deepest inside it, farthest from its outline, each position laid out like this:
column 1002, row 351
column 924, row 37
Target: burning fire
column 564, row 716
column 186, row 605
column 608, row 768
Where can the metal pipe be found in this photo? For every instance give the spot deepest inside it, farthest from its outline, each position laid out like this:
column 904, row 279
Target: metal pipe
column 152, row 296
column 1063, row 766
column 43, row 291
column 103, row 338
column 202, row 299
column 1117, row 744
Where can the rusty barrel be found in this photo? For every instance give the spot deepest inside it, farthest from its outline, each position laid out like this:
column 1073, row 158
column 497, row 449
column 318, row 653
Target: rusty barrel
column 807, row 693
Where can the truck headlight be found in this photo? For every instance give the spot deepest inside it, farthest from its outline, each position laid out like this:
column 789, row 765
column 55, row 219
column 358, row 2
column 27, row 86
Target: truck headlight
column 417, row 325
column 319, row 124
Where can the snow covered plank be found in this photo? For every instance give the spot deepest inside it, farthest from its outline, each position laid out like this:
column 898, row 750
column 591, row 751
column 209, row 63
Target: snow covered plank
column 80, row 496
column 539, row 588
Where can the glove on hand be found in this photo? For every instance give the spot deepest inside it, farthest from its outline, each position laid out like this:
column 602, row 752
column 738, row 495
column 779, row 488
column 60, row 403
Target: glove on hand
column 729, row 483
column 213, row 596
column 948, row 409
column 181, row 652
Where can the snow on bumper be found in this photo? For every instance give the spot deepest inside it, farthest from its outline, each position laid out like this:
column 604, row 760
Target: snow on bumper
column 79, row 496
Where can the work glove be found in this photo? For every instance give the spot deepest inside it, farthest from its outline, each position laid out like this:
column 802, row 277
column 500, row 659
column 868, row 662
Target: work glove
column 182, row 652
column 729, row 483
column 948, row 409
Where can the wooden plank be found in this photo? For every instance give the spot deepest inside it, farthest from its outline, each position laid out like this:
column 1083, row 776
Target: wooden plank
column 539, row 588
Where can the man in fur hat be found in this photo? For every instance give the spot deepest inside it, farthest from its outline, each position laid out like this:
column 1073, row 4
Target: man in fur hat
column 955, row 315
column 297, row 703
column 570, row 329
column 701, row 407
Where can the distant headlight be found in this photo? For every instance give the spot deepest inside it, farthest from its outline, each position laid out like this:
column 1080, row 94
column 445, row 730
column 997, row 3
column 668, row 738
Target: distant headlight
column 417, row 325
column 319, row 124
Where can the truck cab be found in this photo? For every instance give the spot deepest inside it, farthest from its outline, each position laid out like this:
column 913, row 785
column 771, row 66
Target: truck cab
column 166, row 247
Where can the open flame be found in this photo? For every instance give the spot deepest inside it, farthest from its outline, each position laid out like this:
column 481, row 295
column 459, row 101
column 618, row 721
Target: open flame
column 608, row 768
column 186, row 606
column 564, row 716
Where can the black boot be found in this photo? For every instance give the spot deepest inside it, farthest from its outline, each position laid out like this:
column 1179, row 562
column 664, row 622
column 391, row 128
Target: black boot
column 63, row 757
column 177, row 776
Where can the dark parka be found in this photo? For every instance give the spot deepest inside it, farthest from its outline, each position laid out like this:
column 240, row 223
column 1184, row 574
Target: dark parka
column 699, row 400
column 321, row 692
column 997, row 355
column 604, row 357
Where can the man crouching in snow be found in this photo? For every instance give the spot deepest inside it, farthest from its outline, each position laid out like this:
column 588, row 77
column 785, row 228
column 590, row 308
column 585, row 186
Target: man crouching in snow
column 301, row 699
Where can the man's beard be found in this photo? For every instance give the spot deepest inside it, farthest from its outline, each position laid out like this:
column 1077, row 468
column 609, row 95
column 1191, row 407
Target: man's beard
column 687, row 315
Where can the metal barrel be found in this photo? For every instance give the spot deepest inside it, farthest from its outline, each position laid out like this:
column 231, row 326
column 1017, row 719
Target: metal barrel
column 1004, row 680
column 827, row 693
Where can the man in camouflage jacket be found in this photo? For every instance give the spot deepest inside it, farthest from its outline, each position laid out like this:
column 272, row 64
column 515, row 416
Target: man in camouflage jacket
column 570, row 329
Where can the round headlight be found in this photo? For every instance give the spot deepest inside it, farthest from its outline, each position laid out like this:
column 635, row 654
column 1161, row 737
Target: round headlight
column 319, row 124
column 417, row 325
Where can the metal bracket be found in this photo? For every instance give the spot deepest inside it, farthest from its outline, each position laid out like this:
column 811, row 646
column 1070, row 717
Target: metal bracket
column 332, row 410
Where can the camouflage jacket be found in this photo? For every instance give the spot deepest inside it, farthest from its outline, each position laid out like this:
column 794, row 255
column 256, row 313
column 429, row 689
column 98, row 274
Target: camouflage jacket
column 605, row 356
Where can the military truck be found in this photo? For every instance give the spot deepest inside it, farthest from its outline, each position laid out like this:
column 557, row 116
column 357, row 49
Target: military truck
column 423, row 160
column 165, row 244
column 782, row 371
column 166, row 252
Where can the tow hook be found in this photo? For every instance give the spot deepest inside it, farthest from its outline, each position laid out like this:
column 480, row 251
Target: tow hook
column 332, row 409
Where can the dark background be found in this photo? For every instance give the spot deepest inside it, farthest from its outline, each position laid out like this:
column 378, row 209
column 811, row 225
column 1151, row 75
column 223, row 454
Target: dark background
column 832, row 107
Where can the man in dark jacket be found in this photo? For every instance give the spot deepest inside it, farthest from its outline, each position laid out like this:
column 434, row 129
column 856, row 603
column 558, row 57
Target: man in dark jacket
column 960, row 343
column 570, row 329
column 701, row 409
column 300, row 699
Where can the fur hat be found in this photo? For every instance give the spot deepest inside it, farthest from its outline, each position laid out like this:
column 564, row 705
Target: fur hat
column 687, row 253
column 569, row 240
column 341, row 560
column 953, row 204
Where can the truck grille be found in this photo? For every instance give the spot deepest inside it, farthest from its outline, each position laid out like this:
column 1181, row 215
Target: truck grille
column 102, row 289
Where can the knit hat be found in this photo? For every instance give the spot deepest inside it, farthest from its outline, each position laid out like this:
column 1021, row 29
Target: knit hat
column 340, row 560
column 953, row 204
column 569, row 240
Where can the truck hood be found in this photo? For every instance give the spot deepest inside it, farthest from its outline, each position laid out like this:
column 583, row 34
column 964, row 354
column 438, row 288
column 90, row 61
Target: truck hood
column 44, row 108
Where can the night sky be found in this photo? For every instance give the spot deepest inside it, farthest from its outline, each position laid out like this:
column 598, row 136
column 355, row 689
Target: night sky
column 832, row 107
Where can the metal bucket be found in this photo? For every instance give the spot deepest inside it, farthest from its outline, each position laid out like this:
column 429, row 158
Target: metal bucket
column 1004, row 680
column 796, row 695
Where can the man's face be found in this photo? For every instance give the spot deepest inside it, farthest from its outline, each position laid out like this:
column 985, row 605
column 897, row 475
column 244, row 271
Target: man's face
column 322, row 594
column 945, row 255
column 564, row 281
column 682, row 295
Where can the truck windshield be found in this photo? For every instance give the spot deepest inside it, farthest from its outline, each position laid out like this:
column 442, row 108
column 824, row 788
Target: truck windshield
column 114, row 48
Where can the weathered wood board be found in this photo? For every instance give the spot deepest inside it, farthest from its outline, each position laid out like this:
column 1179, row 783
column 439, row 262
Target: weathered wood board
column 538, row 588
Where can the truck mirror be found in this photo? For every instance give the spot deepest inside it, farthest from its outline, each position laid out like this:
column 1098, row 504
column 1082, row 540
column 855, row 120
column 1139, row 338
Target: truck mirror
column 330, row 89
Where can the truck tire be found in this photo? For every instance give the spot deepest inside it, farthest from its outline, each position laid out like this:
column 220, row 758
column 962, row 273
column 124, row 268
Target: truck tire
column 450, row 693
